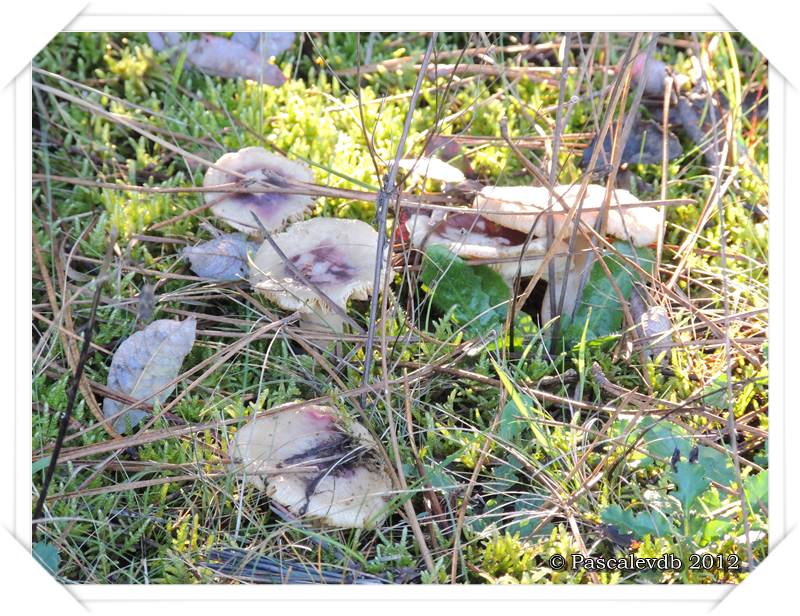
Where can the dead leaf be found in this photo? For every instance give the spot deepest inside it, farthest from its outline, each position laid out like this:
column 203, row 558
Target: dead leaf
column 268, row 43
column 222, row 57
column 653, row 72
column 145, row 364
column 644, row 147
column 688, row 114
column 163, row 40
column 223, row 258
column 653, row 326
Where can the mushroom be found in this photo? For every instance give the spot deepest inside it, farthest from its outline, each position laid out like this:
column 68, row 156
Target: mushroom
column 570, row 295
column 274, row 210
column 523, row 207
column 432, row 168
column 472, row 236
column 317, row 465
column 325, row 261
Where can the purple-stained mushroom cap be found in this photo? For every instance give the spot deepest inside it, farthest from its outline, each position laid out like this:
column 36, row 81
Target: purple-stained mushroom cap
column 471, row 236
column 274, row 210
column 316, row 465
column 524, row 207
column 337, row 256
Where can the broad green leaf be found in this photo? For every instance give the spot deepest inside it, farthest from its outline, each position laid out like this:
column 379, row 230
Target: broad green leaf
column 756, row 489
column 477, row 297
column 692, row 481
column 651, row 522
column 600, row 309
column 511, row 425
column 47, row 556
column 715, row 529
column 663, row 437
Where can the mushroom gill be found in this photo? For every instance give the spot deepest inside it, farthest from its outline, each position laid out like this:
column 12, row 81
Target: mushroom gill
column 273, row 209
column 316, row 464
column 523, row 207
column 472, row 236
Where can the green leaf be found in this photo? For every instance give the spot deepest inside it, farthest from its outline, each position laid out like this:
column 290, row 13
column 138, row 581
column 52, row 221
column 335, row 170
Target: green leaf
column 692, row 481
column 715, row 529
column 716, row 392
column 40, row 464
column 476, row 297
column 511, row 425
column 653, row 523
column 522, row 405
column 600, row 310
column 663, row 437
column 47, row 555
column 756, row 490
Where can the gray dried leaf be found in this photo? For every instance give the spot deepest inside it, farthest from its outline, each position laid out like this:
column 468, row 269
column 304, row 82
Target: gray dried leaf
column 215, row 55
column 223, row 258
column 162, row 40
column 644, row 147
column 144, row 365
column 689, row 114
column 653, row 326
column 268, row 43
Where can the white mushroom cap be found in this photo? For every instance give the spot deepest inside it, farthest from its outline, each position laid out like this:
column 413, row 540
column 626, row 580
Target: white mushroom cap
column 316, row 466
column 432, row 168
column 523, row 207
column 336, row 255
column 471, row 236
column 274, row 210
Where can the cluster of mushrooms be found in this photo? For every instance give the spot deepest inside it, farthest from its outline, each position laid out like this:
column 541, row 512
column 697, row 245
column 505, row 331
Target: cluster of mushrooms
column 312, row 460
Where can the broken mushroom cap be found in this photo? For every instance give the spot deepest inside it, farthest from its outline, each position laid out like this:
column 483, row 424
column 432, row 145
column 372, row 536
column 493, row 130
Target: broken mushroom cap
column 524, row 207
column 274, row 210
column 316, row 465
column 472, row 236
column 337, row 256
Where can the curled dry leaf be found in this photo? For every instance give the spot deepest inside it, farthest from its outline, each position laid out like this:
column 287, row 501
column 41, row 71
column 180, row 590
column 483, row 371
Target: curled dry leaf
column 694, row 119
column 337, row 256
column 163, row 40
column 653, row 325
column 223, row 258
column 653, row 72
column 525, row 207
column 222, row 57
column 274, row 209
column 644, row 147
column 144, row 367
column 316, row 465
